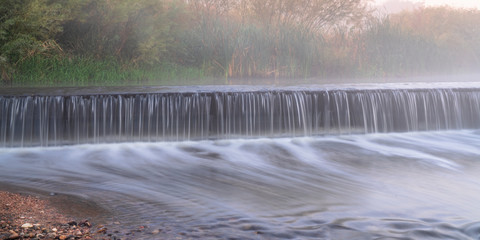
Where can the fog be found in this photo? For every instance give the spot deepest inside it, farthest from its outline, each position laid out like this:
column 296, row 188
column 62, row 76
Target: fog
column 181, row 42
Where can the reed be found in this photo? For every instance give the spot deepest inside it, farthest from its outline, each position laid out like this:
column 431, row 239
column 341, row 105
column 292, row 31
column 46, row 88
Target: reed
column 246, row 49
column 385, row 49
column 78, row 71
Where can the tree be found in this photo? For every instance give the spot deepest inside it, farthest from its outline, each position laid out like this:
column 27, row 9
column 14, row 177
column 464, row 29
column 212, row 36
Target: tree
column 315, row 15
column 28, row 27
column 129, row 30
column 455, row 31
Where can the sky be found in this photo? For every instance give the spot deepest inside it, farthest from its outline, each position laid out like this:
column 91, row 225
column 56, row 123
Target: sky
column 453, row 3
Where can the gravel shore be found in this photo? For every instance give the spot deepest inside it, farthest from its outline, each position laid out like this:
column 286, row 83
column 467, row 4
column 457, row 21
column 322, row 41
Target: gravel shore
column 29, row 217
column 32, row 216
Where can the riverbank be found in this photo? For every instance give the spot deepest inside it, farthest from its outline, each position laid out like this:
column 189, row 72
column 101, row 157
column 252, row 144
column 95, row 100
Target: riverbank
column 33, row 216
column 29, row 214
column 29, row 217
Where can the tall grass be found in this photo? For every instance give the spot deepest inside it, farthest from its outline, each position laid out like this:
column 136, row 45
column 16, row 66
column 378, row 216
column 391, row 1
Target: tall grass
column 245, row 49
column 78, row 71
column 389, row 50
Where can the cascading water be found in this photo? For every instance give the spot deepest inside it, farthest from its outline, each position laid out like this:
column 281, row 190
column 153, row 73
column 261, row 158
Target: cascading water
column 371, row 162
column 59, row 120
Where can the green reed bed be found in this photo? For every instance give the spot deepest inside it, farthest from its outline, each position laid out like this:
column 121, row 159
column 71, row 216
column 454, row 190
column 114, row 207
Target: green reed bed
column 42, row 71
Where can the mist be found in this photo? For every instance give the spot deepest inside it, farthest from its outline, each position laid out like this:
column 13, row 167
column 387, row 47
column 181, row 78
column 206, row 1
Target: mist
column 175, row 42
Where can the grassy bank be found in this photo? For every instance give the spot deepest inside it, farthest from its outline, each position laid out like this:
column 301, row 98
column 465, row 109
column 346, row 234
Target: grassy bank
column 77, row 71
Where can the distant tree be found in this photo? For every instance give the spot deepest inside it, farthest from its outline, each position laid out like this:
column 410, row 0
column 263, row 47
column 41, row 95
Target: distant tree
column 388, row 50
column 455, row 31
column 315, row 15
column 28, row 27
column 129, row 30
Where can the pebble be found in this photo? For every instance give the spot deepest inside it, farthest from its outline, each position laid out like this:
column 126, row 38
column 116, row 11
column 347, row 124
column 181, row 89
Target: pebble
column 40, row 227
column 51, row 235
column 27, row 225
column 14, row 236
column 85, row 223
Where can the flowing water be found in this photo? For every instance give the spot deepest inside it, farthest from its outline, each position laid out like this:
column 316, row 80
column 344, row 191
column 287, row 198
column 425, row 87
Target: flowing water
column 375, row 163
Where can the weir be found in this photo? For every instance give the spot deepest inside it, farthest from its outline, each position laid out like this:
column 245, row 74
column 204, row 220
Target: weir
column 59, row 119
column 257, row 181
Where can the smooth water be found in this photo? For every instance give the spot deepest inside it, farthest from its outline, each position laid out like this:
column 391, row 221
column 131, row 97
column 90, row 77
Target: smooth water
column 422, row 185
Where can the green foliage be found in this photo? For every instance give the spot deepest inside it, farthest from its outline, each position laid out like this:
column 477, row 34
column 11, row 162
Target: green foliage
column 130, row 30
column 28, row 27
column 48, row 71
column 115, row 42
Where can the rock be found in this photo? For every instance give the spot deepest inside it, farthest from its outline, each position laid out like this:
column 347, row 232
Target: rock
column 156, row 231
column 14, row 236
column 36, row 226
column 62, row 237
column 72, row 223
column 85, row 223
column 51, row 235
column 27, row 225
column 103, row 230
column 78, row 233
column 54, row 229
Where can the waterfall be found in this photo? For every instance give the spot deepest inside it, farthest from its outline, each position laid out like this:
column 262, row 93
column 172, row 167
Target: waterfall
column 49, row 120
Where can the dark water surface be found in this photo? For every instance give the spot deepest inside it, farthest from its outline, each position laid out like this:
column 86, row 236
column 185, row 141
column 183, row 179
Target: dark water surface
column 418, row 185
